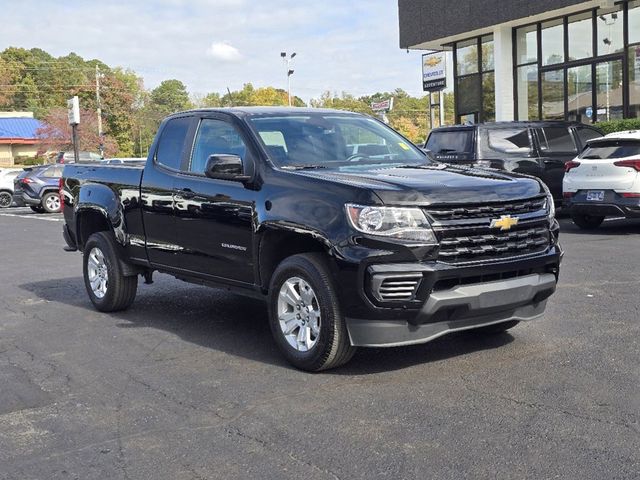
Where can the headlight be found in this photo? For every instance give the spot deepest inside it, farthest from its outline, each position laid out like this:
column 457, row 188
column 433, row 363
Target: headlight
column 551, row 206
column 402, row 223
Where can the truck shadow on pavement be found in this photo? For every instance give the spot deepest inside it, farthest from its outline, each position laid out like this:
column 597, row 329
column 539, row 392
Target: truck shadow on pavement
column 236, row 325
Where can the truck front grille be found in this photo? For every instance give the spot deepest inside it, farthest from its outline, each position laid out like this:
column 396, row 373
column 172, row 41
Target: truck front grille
column 488, row 210
column 465, row 232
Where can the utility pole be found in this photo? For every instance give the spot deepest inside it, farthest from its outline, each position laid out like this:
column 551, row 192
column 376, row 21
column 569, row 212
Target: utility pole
column 99, row 111
column 287, row 62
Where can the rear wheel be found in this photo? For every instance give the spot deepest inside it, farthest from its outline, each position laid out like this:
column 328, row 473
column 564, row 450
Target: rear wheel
column 5, row 199
column 304, row 314
column 108, row 289
column 587, row 222
column 51, row 202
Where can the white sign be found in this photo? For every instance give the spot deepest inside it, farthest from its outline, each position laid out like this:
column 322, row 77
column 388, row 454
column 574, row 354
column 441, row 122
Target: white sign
column 73, row 110
column 383, row 106
column 434, row 71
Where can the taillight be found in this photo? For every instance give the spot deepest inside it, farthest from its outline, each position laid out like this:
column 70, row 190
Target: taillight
column 630, row 195
column 635, row 164
column 60, row 194
column 569, row 165
column 568, row 194
column 26, row 180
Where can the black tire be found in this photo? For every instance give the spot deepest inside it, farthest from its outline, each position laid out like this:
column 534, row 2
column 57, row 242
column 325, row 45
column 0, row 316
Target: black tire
column 496, row 328
column 37, row 208
column 5, row 199
column 49, row 202
column 332, row 347
column 587, row 222
column 120, row 289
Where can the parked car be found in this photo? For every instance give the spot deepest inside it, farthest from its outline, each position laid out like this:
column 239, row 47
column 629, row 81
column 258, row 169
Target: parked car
column 83, row 157
column 347, row 249
column 6, row 186
column 535, row 148
column 123, row 160
column 38, row 188
column 604, row 180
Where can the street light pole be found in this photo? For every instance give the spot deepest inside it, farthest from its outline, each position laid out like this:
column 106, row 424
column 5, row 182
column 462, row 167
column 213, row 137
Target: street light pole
column 287, row 61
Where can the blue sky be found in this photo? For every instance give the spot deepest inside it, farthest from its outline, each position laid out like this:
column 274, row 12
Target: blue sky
column 214, row 44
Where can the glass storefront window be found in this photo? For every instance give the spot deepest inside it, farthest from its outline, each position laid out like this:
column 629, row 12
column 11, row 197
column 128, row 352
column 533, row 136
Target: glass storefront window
column 468, row 94
column 610, row 31
column 527, row 85
column 580, row 100
column 487, row 53
column 634, row 22
column 580, row 36
column 467, row 57
column 609, row 90
column 553, row 42
column 488, row 97
column 553, row 95
column 634, row 81
column 527, row 44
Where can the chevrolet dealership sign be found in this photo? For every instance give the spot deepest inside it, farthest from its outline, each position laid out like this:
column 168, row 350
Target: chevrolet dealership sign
column 434, row 71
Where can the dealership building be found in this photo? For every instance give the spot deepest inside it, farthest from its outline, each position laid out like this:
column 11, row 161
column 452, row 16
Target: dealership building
column 531, row 60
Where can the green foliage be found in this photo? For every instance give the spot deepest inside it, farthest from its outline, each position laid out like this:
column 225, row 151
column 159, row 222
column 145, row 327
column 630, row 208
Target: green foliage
column 619, row 125
column 27, row 161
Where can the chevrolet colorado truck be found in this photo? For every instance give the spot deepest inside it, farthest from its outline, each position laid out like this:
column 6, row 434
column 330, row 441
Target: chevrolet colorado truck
column 377, row 248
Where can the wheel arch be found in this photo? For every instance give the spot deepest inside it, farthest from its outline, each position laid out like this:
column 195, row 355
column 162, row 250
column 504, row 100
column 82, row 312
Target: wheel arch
column 276, row 244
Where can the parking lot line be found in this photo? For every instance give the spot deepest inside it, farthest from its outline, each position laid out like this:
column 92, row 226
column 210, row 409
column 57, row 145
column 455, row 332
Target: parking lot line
column 34, row 217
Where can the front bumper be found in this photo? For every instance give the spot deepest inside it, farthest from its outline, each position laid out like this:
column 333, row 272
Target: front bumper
column 461, row 308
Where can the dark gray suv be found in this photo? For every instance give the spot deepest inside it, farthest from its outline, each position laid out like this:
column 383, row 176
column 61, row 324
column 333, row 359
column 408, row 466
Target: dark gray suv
column 535, row 148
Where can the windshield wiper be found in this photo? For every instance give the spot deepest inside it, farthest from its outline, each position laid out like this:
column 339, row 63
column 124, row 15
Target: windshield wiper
column 592, row 157
column 303, row 167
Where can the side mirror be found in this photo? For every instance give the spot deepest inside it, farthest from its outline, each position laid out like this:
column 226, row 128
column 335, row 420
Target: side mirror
column 225, row 167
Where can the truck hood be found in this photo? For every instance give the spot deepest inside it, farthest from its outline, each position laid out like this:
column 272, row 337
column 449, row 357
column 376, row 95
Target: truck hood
column 434, row 184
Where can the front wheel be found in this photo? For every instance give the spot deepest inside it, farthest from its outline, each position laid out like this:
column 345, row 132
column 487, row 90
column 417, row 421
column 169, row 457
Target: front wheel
column 108, row 289
column 5, row 199
column 304, row 314
column 587, row 222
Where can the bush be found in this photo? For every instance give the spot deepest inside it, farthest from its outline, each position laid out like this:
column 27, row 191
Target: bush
column 26, row 161
column 619, row 125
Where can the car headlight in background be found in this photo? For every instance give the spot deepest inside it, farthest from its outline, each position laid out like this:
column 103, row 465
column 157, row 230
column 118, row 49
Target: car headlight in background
column 408, row 224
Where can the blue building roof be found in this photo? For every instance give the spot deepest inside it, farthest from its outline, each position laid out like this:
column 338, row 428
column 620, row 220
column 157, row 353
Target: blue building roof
column 19, row 127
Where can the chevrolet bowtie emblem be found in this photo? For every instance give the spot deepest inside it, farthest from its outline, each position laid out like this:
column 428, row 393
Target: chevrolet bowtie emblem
column 505, row 222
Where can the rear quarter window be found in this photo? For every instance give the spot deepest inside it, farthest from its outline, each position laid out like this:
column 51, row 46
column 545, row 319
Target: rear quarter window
column 172, row 141
column 556, row 140
column 505, row 142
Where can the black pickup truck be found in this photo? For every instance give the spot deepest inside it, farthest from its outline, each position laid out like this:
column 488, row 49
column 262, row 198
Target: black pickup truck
column 351, row 233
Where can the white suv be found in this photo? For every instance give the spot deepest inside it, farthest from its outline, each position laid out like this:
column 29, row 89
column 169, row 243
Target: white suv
column 6, row 186
column 604, row 180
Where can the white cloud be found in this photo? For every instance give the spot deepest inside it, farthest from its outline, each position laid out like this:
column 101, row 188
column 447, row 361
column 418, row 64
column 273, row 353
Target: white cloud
column 224, row 52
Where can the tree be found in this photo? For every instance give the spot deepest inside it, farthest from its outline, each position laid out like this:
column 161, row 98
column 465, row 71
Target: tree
column 55, row 135
column 169, row 97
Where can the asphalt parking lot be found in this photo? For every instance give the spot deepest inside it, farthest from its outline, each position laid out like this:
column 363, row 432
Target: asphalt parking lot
column 188, row 383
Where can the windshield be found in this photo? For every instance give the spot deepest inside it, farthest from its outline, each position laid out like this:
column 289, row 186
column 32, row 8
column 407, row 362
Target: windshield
column 325, row 140
column 602, row 149
column 451, row 144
